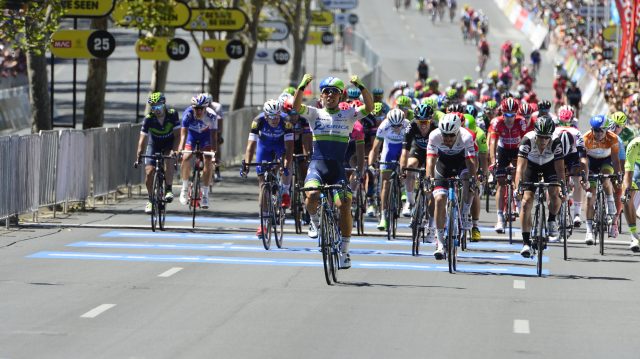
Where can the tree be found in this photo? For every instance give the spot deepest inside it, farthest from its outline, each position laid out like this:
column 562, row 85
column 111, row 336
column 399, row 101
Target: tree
column 96, row 85
column 29, row 28
column 292, row 12
column 250, row 38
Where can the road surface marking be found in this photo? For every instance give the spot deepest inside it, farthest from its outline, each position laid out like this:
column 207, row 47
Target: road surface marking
column 97, row 311
column 518, row 284
column 521, row 326
column 170, row 272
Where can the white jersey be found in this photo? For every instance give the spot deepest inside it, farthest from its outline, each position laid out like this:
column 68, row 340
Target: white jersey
column 529, row 149
column 393, row 138
column 464, row 145
column 573, row 144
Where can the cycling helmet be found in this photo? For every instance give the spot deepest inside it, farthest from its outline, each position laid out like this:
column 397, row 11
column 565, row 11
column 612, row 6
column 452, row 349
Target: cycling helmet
column 156, row 97
column 525, row 70
column 272, row 107
column 433, row 82
column 450, row 124
column 544, row 126
column 403, row 101
column 378, row 91
column 525, row 109
column 200, row 100
column 490, row 105
column 533, row 106
column 421, row 59
column 520, row 88
column 597, row 122
column 619, row 118
column 471, row 110
column 332, row 82
column 469, row 97
column 353, row 92
column 409, row 92
column 452, row 94
column 544, row 105
column 565, row 114
column 453, row 82
column 509, row 105
column 431, row 101
column 396, row 117
column 286, row 101
column 467, row 79
column 456, row 107
column 423, row 111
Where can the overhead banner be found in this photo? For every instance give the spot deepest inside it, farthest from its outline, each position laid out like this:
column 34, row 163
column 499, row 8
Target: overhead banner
column 87, row 8
column 321, row 18
column 179, row 15
column 82, row 44
column 216, row 20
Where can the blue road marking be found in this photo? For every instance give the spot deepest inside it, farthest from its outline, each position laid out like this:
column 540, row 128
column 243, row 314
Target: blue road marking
column 293, row 238
column 303, row 250
column 280, row 262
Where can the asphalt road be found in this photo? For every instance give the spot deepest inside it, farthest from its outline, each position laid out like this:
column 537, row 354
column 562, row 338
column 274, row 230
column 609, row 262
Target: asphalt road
column 100, row 284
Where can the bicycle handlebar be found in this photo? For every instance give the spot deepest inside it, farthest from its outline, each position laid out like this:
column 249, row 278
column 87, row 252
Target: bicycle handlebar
column 325, row 187
column 156, row 156
column 206, row 153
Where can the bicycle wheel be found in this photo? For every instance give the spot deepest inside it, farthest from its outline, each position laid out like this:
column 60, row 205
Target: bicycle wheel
column 360, row 209
column 195, row 196
column 541, row 239
column 396, row 210
column 266, row 215
column 509, row 205
column 279, row 216
column 161, row 205
column 390, row 207
column 450, row 238
column 296, row 206
column 325, row 247
column 416, row 223
column 564, row 223
column 602, row 229
column 335, row 249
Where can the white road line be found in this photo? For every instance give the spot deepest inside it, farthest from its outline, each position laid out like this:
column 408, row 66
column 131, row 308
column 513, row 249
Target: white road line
column 518, row 284
column 170, row 272
column 97, row 311
column 521, row 326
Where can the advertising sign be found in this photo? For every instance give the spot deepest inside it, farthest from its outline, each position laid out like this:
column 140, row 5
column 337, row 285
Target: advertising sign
column 216, row 20
column 321, row 18
column 154, row 50
column 179, row 15
column 271, row 56
column 340, row 4
column 222, row 49
column 82, row 44
column 87, row 8
column 279, row 30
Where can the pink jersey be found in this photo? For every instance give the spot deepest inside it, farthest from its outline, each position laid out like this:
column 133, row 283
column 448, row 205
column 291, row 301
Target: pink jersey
column 358, row 132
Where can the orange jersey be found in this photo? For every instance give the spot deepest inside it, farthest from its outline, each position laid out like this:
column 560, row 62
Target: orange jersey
column 608, row 147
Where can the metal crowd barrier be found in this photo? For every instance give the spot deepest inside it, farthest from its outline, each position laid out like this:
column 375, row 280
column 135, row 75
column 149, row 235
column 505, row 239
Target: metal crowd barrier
column 236, row 132
column 361, row 46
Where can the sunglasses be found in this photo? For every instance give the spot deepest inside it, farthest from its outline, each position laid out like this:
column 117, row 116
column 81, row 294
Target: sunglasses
column 396, row 126
column 271, row 117
column 196, row 108
column 331, row 91
column 157, row 107
column 509, row 115
column 423, row 121
column 449, row 135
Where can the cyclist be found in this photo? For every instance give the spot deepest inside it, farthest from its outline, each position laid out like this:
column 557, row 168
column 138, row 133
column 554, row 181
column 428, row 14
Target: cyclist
column 483, row 150
column 630, row 186
column 423, row 69
column 217, row 108
column 161, row 127
column 517, row 59
column 414, row 154
column 505, row 58
column 539, row 153
column 573, row 94
column 199, row 124
column 602, row 151
column 575, row 159
column 535, row 61
column 390, row 136
column 331, row 129
column 506, row 133
column 353, row 93
column 484, row 52
column 273, row 137
column 450, row 152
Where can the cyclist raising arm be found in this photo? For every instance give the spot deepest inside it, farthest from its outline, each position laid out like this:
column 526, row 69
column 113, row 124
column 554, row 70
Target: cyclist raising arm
column 330, row 128
column 199, row 124
column 161, row 126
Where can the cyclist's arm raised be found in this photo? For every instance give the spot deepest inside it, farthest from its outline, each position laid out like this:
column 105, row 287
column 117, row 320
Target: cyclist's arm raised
column 366, row 95
column 288, row 145
column 299, row 94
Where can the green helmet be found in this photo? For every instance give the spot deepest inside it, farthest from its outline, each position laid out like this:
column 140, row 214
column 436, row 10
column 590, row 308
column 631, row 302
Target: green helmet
column 452, row 93
column 491, row 105
column 156, row 97
column 619, row 118
column 290, row 90
column 403, row 101
column 470, row 122
column 332, row 82
column 467, row 79
column 433, row 102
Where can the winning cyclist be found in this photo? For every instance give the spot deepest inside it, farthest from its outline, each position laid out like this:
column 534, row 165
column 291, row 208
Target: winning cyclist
column 539, row 153
column 451, row 151
column 199, row 124
column 161, row 126
column 331, row 127
column 391, row 132
column 273, row 137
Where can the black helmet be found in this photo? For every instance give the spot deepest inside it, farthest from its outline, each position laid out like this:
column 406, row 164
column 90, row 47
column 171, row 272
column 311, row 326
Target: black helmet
column 544, row 126
column 456, row 107
column 544, row 105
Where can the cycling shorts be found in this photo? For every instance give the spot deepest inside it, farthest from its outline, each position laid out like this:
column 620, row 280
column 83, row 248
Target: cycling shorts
column 455, row 166
column 635, row 184
column 267, row 154
column 205, row 147
column 504, row 158
column 533, row 171
column 420, row 154
column 326, row 172
column 572, row 161
column 600, row 165
column 155, row 147
column 390, row 154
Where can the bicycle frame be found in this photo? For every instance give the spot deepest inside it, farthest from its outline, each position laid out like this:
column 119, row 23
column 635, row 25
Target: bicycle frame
column 394, row 202
column 195, row 191
column 600, row 216
column 271, row 212
column 158, row 202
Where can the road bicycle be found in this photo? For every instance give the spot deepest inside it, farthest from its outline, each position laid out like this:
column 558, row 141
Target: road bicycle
column 272, row 214
column 420, row 210
column 329, row 236
column 601, row 220
column 510, row 203
column 359, row 204
column 297, row 198
column 157, row 195
column 194, row 195
column 453, row 227
column 394, row 199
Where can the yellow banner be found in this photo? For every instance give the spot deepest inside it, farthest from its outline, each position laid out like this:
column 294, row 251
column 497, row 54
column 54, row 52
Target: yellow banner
column 216, row 20
column 156, row 51
column 214, row 49
column 178, row 17
column 314, row 38
column 71, row 44
column 321, row 18
column 87, row 8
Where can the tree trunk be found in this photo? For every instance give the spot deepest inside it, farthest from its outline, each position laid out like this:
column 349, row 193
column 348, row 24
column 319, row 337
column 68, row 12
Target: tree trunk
column 96, row 85
column 215, row 78
column 41, row 117
column 240, row 91
column 158, row 80
column 299, row 40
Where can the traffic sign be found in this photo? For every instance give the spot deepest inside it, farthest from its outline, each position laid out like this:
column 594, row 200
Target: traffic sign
column 279, row 29
column 235, row 49
column 177, row 49
column 153, row 48
column 327, row 38
column 321, row 18
column 353, row 19
column 87, row 8
column 82, row 44
column 219, row 19
column 179, row 15
column 101, row 44
column 271, row 56
column 345, row 18
column 340, row 4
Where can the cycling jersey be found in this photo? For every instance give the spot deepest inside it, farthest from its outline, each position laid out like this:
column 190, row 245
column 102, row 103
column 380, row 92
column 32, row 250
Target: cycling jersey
column 464, row 145
column 529, row 149
column 356, row 137
column 627, row 135
column 160, row 134
column 576, row 145
column 331, row 129
column 414, row 138
column 633, row 155
column 481, row 140
column 393, row 138
column 199, row 130
column 270, row 140
column 508, row 138
column 600, row 149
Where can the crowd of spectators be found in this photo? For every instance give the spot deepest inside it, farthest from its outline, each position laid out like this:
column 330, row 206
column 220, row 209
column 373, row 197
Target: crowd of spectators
column 569, row 30
column 12, row 61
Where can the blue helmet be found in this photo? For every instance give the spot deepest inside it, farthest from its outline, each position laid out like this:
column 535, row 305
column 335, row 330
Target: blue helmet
column 353, row 92
column 441, row 99
column 378, row 91
column 200, row 100
column 332, row 82
column 597, row 122
column 423, row 111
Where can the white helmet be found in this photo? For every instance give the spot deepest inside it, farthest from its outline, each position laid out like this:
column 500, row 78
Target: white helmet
column 272, row 107
column 396, row 117
column 469, row 97
column 284, row 97
column 450, row 124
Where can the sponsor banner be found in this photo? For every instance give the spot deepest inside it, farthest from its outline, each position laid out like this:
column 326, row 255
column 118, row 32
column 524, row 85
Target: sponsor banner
column 214, row 49
column 87, row 8
column 340, row 4
column 82, row 44
column 216, row 20
column 279, row 29
column 155, row 50
column 179, row 15
column 321, row 18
